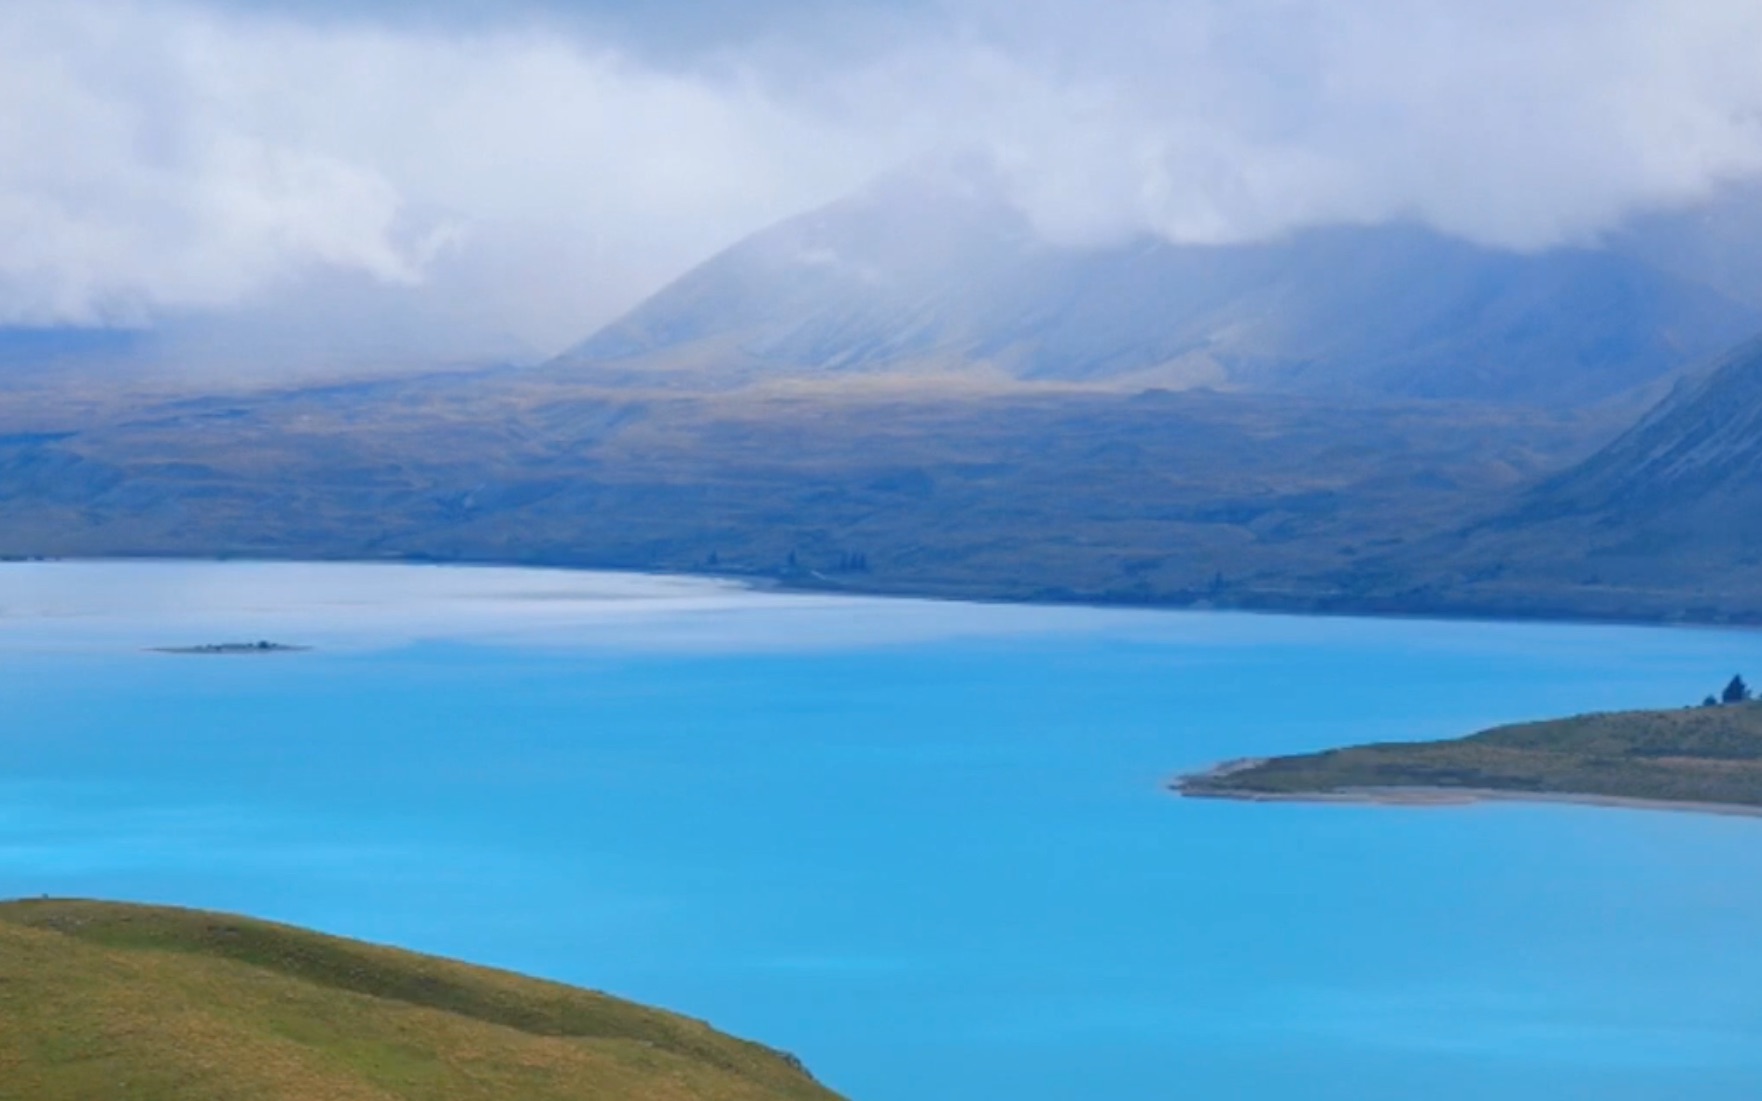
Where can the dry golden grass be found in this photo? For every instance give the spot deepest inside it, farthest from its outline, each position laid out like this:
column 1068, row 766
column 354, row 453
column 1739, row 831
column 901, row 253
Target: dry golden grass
column 101, row 1001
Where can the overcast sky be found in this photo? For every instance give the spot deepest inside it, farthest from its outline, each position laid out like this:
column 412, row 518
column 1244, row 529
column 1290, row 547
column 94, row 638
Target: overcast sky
column 530, row 168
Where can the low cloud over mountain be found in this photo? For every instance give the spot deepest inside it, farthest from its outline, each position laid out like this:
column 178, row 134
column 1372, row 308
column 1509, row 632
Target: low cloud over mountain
column 528, row 174
column 934, row 272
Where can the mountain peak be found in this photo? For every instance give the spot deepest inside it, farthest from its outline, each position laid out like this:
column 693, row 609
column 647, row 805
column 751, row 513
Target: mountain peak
column 933, row 266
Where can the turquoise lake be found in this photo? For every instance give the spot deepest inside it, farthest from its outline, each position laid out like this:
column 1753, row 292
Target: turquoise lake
column 924, row 846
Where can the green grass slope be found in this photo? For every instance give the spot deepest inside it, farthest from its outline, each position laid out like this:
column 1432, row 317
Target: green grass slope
column 102, row 1000
column 1710, row 755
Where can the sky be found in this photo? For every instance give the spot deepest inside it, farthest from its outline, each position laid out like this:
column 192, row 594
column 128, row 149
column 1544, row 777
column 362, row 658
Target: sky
column 508, row 176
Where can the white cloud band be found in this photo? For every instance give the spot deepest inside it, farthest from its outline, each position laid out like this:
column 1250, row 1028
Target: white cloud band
column 165, row 156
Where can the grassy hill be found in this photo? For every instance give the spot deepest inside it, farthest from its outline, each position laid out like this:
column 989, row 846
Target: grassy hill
column 1708, row 755
column 101, row 1001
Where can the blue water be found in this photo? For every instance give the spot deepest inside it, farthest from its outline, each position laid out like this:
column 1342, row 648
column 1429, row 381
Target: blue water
column 940, row 864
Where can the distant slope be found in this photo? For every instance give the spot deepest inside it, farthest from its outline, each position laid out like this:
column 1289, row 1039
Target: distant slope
column 101, row 1000
column 1668, row 515
column 1701, row 756
column 1717, row 241
column 1188, row 498
column 934, row 272
column 61, row 349
column 1167, row 497
column 1694, row 463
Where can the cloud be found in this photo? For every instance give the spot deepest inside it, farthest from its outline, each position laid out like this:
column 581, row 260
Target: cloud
column 1514, row 124
column 157, row 158
column 536, row 173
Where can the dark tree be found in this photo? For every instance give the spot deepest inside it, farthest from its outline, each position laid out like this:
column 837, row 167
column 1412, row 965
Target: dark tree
column 1736, row 692
column 1709, row 702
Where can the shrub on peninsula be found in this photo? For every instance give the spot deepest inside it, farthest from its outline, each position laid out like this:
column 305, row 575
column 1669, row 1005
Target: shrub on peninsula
column 1736, row 692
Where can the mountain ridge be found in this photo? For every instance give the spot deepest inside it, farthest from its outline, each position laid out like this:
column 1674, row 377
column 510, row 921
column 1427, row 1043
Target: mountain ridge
column 941, row 273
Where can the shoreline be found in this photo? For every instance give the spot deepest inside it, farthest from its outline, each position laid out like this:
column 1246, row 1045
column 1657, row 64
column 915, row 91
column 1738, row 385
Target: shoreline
column 1257, row 604
column 1442, row 797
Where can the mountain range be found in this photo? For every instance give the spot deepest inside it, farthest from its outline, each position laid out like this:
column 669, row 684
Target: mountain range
column 911, row 391
column 935, row 273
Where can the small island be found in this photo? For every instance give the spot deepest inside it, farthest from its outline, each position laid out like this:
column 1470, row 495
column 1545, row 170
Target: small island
column 1706, row 758
column 260, row 647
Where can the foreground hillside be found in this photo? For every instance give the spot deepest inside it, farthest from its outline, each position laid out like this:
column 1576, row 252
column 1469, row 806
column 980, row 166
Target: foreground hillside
column 101, row 1000
column 1708, row 756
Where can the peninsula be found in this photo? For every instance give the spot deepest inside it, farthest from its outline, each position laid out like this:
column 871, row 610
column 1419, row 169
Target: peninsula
column 103, row 1000
column 1698, row 758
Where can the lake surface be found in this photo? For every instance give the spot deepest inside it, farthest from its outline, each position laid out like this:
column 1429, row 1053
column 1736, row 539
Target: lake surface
column 924, row 846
